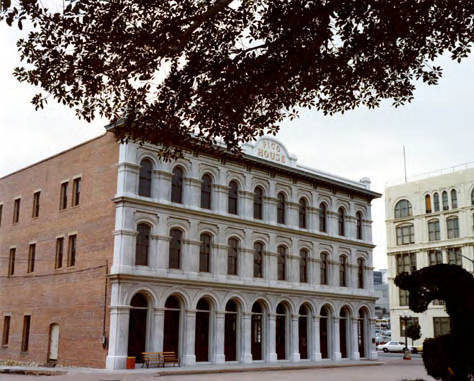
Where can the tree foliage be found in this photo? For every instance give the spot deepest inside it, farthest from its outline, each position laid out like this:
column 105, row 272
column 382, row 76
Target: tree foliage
column 448, row 357
column 413, row 330
column 231, row 70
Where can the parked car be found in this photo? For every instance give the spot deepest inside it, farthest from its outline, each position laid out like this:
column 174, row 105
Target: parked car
column 395, row 346
column 380, row 339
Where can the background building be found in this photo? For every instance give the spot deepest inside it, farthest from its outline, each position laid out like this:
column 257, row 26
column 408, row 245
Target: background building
column 429, row 221
column 382, row 304
column 109, row 252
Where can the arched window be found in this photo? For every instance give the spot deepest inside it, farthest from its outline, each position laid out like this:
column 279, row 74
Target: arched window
column 324, row 268
column 428, row 203
column 436, row 202
column 343, row 271
column 302, row 213
column 341, row 221
column 206, row 186
column 232, row 256
column 322, row 217
column 258, row 203
column 454, row 199
column 444, row 197
column 205, row 253
column 233, row 197
column 472, row 197
column 144, row 181
column 177, row 185
column 258, row 260
column 303, row 266
column 281, row 263
column 176, row 242
column 281, row 206
column 232, row 334
column 453, row 227
column 359, row 225
column 142, row 245
column 137, row 326
column 360, row 272
column 403, row 209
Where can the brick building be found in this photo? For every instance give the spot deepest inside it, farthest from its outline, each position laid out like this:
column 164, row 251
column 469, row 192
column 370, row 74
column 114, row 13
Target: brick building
column 245, row 259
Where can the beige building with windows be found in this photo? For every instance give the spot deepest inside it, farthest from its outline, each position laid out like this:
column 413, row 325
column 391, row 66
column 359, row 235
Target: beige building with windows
column 429, row 221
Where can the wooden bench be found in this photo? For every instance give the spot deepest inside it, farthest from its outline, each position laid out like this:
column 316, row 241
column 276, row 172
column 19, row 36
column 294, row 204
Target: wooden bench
column 170, row 358
column 153, row 359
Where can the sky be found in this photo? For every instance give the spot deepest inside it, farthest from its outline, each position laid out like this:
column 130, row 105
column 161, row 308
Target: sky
column 436, row 129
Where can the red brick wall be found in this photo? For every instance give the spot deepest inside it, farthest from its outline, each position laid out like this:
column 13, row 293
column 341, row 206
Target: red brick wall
column 73, row 297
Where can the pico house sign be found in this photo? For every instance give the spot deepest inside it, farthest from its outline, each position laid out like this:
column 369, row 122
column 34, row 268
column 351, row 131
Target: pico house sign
column 272, row 150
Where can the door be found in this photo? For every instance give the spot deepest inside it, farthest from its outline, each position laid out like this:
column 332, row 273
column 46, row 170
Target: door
column 303, row 337
column 230, row 338
column 343, row 337
column 53, row 342
column 257, row 337
column 202, row 336
column 280, row 337
column 323, row 336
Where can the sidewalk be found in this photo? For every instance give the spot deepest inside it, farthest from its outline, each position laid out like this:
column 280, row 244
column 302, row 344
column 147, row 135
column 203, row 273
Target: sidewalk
column 174, row 371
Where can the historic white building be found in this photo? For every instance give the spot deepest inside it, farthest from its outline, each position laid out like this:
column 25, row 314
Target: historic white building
column 240, row 259
column 428, row 221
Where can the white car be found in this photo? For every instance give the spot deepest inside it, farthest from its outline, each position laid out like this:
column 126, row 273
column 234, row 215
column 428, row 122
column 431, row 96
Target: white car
column 394, row 346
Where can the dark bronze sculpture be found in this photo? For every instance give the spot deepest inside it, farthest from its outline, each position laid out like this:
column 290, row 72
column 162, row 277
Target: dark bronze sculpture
column 448, row 357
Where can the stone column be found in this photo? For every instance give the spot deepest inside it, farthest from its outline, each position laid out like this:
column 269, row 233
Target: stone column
column 371, row 333
column 315, row 340
column 189, row 357
column 162, row 189
column 271, row 355
column 336, row 344
column 245, row 204
column 157, row 333
column 118, row 337
column 246, row 341
column 294, row 339
column 221, row 196
column 355, row 339
column 190, row 250
column 219, row 338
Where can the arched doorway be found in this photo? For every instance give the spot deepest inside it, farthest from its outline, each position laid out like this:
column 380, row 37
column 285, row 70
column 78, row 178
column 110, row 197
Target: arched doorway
column 231, row 331
column 361, row 332
column 258, row 331
column 303, row 331
column 171, row 327
column 203, row 320
column 324, row 320
column 53, row 351
column 281, row 331
column 137, row 326
column 344, row 321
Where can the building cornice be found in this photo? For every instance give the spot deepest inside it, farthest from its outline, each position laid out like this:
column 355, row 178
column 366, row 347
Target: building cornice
column 236, row 286
column 248, row 223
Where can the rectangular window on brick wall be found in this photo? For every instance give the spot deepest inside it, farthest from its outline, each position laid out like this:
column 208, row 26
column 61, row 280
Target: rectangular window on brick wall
column 71, row 250
column 435, row 257
column 403, row 297
column 453, row 227
column 58, row 262
column 406, row 262
column 16, row 210
column 36, row 204
column 76, row 191
column 31, row 258
column 6, row 330
column 11, row 262
column 63, row 196
column 26, row 333
column 441, row 326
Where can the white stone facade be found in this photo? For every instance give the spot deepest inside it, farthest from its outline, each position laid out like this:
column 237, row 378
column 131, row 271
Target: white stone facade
column 274, row 173
column 425, row 210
